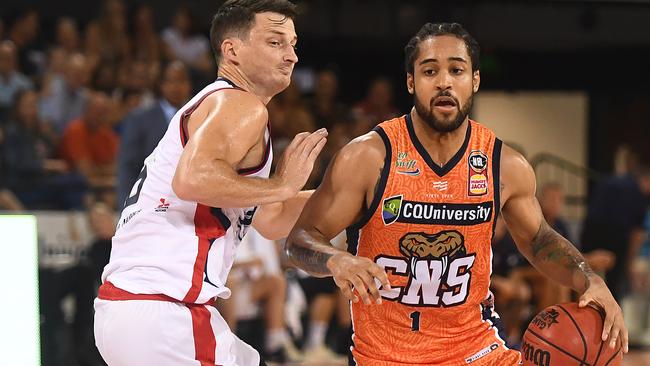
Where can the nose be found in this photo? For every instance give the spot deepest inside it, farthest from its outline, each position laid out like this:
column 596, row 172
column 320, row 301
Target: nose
column 444, row 81
column 291, row 55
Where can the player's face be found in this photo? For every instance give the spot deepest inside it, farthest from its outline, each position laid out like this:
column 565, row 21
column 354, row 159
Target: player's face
column 443, row 84
column 269, row 55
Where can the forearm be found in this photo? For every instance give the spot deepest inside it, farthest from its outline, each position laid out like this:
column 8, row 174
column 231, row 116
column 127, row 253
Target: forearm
column 557, row 258
column 309, row 250
column 220, row 186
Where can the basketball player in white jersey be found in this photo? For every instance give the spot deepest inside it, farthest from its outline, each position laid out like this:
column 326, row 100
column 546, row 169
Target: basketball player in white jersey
column 205, row 183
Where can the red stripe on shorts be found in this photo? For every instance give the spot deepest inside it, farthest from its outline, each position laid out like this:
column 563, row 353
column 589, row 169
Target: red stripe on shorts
column 205, row 344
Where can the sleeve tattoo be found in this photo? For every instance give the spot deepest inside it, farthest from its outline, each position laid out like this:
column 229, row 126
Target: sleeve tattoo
column 550, row 248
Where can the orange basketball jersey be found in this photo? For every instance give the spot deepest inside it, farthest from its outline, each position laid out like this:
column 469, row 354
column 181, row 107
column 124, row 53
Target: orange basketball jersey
column 430, row 228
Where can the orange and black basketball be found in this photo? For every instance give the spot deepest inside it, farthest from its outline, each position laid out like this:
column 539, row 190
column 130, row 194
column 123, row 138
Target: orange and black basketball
column 566, row 335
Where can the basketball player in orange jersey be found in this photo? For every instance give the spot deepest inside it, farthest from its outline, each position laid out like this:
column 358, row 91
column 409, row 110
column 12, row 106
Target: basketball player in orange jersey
column 419, row 196
column 199, row 191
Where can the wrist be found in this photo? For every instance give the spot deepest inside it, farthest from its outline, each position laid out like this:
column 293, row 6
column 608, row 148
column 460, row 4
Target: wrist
column 332, row 262
column 283, row 190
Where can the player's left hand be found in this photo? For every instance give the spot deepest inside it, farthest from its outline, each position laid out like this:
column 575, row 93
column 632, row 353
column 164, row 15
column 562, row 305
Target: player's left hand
column 598, row 294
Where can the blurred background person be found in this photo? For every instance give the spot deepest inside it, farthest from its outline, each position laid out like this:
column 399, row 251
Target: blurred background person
column 144, row 127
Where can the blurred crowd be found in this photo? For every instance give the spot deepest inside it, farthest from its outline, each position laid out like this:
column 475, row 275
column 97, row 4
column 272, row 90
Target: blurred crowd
column 83, row 105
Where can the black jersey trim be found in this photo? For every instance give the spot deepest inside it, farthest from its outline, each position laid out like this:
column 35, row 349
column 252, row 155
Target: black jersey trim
column 496, row 178
column 267, row 153
column 440, row 170
column 383, row 178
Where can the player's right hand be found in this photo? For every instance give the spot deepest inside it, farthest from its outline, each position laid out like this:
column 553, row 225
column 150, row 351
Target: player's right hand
column 358, row 274
column 298, row 159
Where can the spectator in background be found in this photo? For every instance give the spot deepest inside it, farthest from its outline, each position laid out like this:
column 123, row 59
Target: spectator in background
column 106, row 38
column 8, row 201
column 182, row 41
column 325, row 106
column 102, row 222
column 24, row 33
column 615, row 223
column 30, row 172
column 64, row 99
column 378, row 104
column 89, row 145
column 67, row 35
column 143, row 128
column 146, row 45
column 11, row 80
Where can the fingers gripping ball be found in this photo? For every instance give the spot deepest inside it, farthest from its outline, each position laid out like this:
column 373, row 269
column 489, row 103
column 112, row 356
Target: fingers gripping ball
column 566, row 335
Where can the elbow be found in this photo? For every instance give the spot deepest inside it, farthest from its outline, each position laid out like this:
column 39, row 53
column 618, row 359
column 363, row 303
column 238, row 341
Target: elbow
column 185, row 188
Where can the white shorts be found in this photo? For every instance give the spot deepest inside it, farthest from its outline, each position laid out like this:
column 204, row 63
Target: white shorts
column 163, row 333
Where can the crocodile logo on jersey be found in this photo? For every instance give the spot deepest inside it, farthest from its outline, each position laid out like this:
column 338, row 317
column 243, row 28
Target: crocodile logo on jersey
column 391, row 209
column 438, row 268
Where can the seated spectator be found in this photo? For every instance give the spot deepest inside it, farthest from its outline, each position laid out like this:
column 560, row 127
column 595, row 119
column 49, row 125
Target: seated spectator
column 89, row 145
column 146, row 45
column 106, row 37
column 325, row 106
column 67, row 35
column 102, row 222
column 23, row 32
column 143, row 128
column 182, row 41
column 11, row 80
column 256, row 281
column 8, row 201
column 38, row 181
column 64, row 98
column 378, row 105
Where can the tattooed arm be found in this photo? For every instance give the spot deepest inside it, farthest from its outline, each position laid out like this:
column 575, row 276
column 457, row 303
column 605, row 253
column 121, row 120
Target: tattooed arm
column 340, row 201
column 548, row 251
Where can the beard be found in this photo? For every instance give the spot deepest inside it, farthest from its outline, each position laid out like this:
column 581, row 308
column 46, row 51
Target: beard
column 446, row 124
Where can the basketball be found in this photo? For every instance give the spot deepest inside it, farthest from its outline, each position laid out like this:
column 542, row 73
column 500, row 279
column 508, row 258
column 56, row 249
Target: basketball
column 566, row 335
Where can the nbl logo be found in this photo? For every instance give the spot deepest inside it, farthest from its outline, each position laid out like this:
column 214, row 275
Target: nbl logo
column 537, row 356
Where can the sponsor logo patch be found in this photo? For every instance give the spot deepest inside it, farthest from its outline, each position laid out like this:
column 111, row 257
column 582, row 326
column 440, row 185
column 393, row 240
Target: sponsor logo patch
column 163, row 206
column 406, row 166
column 477, row 173
column 397, row 209
column 481, row 353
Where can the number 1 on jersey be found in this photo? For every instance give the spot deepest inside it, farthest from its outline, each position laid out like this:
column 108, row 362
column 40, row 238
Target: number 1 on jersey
column 415, row 324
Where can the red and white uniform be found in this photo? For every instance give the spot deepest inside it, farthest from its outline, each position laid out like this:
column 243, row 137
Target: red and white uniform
column 175, row 251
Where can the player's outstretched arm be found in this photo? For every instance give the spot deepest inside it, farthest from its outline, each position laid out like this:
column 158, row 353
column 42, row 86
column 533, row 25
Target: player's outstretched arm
column 348, row 185
column 548, row 251
column 275, row 220
column 222, row 130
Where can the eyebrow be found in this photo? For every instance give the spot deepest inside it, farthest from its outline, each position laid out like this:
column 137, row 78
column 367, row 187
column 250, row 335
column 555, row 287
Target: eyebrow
column 295, row 38
column 433, row 60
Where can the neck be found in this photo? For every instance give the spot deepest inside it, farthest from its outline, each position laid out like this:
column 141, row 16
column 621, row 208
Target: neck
column 236, row 76
column 442, row 146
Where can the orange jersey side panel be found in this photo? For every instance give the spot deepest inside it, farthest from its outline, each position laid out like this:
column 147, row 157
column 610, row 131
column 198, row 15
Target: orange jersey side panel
column 430, row 228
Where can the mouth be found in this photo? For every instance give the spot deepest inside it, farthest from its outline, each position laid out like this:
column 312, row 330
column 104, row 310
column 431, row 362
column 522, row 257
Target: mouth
column 445, row 104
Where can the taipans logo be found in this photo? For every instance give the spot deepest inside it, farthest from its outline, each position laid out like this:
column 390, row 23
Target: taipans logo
column 437, row 266
column 546, row 318
column 477, row 174
column 391, row 209
column 405, row 166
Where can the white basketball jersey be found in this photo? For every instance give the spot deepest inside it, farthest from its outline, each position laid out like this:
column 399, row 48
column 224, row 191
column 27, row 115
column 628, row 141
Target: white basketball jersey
column 164, row 245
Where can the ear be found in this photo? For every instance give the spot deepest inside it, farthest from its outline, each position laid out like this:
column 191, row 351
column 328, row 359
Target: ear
column 476, row 80
column 229, row 49
column 410, row 83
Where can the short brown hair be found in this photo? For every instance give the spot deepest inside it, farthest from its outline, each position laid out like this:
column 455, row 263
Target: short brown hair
column 237, row 16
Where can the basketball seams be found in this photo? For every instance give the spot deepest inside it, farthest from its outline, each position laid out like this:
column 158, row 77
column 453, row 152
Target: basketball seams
column 613, row 356
column 582, row 363
column 582, row 336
